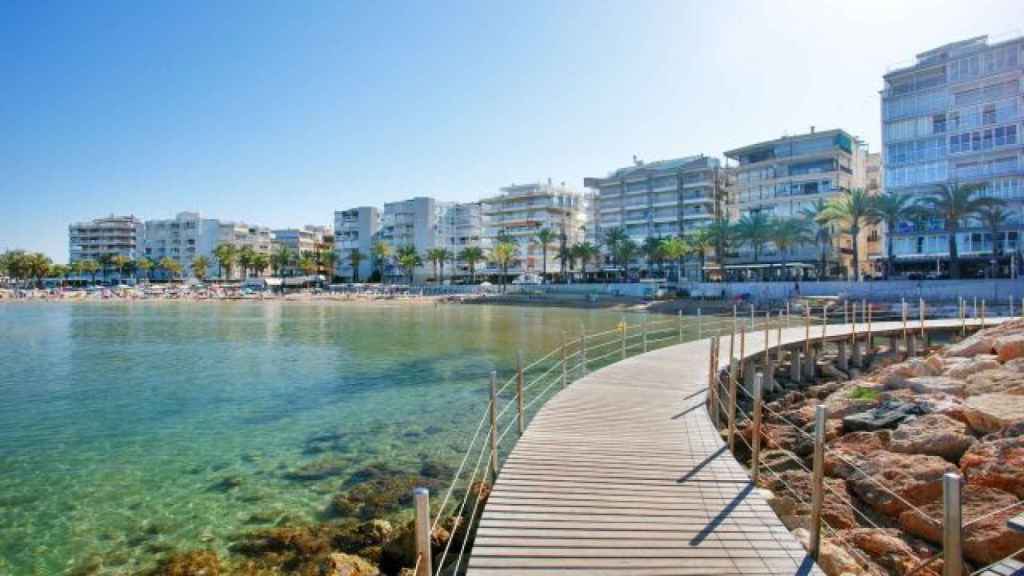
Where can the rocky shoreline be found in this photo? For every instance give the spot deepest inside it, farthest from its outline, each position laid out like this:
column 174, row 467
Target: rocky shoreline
column 903, row 424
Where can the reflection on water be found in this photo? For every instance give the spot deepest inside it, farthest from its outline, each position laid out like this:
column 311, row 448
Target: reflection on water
column 132, row 429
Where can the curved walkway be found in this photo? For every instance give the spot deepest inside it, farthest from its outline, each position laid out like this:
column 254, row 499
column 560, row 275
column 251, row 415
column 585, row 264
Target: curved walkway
column 623, row 473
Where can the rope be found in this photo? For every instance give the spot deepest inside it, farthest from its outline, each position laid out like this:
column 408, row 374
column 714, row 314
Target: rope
column 989, row 567
column 469, row 527
column 542, row 393
column 991, row 514
column 462, row 506
column 458, row 472
column 602, row 357
column 786, row 421
column 882, row 486
column 545, row 374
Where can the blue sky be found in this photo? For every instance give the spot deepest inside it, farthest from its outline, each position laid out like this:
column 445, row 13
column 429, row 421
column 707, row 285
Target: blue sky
column 278, row 113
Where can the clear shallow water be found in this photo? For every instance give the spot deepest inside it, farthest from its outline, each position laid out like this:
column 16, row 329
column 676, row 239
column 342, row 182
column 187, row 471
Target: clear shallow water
column 119, row 422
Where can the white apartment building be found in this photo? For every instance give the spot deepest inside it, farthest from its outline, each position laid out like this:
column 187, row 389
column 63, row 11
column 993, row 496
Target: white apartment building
column 355, row 229
column 309, row 239
column 658, row 199
column 953, row 116
column 461, row 228
column 112, row 235
column 188, row 235
column 415, row 222
column 520, row 211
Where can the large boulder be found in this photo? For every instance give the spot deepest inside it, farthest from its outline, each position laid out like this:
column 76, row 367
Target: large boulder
column 886, row 551
column 850, row 449
column 1001, row 379
column 979, row 343
column 896, row 374
column 935, row 385
column 338, row 564
column 853, row 398
column 985, row 541
column 961, row 368
column 1009, row 347
column 996, row 463
column 989, row 413
column 934, row 435
column 791, row 500
column 887, row 415
column 888, row 482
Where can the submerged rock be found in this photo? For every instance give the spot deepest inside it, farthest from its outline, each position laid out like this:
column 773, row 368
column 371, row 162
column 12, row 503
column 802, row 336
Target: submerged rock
column 193, row 563
column 319, row 470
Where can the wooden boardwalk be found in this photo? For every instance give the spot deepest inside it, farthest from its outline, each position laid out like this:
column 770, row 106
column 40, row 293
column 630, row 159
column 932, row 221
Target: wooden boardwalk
column 623, row 473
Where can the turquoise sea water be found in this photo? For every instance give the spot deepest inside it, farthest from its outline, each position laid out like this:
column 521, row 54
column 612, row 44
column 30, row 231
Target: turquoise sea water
column 121, row 424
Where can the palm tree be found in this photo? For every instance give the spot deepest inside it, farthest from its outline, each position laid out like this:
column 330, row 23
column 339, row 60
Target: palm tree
column 651, row 249
column 995, row 219
column 815, row 213
column 226, row 255
column 171, row 266
column 61, row 271
column 953, row 203
column 200, row 267
column 143, row 265
column 75, row 268
column 586, row 252
column 675, row 249
column 787, row 233
column 892, row 209
column 90, row 267
column 408, row 260
column 328, row 260
column 504, row 254
column 700, row 242
column 753, row 230
column 722, row 235
column 38, row 267
column 106, row 261
column 120, row 262
column 355, row 257
column 613, row 238
column 281, row 259
column 471, row 255
column 544, row 237
column 246, row 259
column 852, row 210
column 625, row 251
column 259, row 263
column 381, row 252
column 437, row 257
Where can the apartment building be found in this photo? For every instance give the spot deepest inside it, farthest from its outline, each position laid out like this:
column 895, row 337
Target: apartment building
column 518, row 212
column 657, row 199
column 782, row 178
column 188, row 235
column 355, row 229
column 951, row 116
column 309, row 239
column 109, row 236
column 461, row 228
column 415, row 222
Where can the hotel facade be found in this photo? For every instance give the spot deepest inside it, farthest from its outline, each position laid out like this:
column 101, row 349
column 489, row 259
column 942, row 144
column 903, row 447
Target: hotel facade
column 109, row 236
column 356, row 229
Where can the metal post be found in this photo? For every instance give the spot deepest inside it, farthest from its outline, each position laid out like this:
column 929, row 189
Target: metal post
column 643, row 334
column 735, row 319
column 983, row 313
column 903, row 309
column 843, row 358
column 795, row 370
column 922, row 313
column 583, row 350
column 778, row 338
column 755, row 457
column 424, row 564
column 818, row 478
column 732, row 404
column 963, row 316
column 846, row 311
column 681, row 325
column 519, row 392
column 788, row 315
column 712, row 387
column 824, row 322
column 807, row 329
column 952, row 551
column 494, row 426
column 700, row 327
column 565, row 369
column 743, row 347
column 625, row 328
column 751, row 315
column 1010, row 298
column 871, row 335
column 975, row 306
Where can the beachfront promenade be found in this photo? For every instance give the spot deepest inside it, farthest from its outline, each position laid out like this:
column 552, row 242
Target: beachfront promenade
column 623, row 472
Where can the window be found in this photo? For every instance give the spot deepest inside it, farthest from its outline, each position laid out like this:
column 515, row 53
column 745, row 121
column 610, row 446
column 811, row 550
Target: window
column 938, row 124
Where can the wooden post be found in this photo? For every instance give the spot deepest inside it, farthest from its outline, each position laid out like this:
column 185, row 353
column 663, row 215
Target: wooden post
column 922, row 312
column 735, row 319
column 903, row 309
column 824, row 322
column 952, row 527
column 871, row 335
column 1010, row 298
column 976, row 307
column 494, row 426
column 565, row 369
column 424, row 563
column 755, row 457
column 751, row 315
column 713, row 382
column 519, row 392
column 963, row 316
column 731, row 415
column 982, row 313
column 818, row 478
column 807, row 328
column 778, row 337
column 643, row 333
column 583, row 350
column 789, row 316
column 681, row 325
column 712, row 365
column 700, row 327
column 846, row 311
column 625, row 328
column 743, row 347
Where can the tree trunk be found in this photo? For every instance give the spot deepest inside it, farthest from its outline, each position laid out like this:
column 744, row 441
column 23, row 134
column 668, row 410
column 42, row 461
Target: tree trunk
column 889, row 264
column 854, row 233
column 954, row 257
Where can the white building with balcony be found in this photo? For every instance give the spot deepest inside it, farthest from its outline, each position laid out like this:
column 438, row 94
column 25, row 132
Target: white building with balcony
column 416, row 222
column 188, row 235
column 110, row 236
column 355, row 229
column 461, row 228
column 520, row 211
